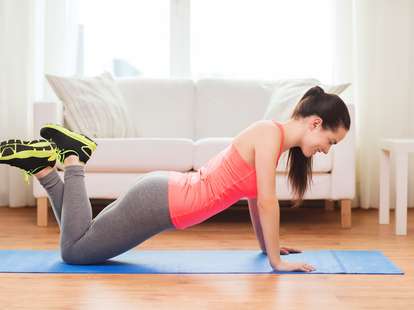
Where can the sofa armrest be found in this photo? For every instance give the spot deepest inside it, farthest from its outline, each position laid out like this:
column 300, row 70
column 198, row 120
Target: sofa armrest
column 344, row 163
column 46, row 112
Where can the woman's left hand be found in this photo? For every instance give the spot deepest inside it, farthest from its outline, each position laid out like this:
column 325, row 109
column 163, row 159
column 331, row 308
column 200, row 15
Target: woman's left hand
column 285, row 251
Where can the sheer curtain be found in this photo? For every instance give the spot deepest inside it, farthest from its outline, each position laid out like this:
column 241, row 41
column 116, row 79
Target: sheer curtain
column 35, row 36
column 375, row 50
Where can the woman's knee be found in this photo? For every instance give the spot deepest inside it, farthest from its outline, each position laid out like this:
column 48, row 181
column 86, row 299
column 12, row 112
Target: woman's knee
column 73, row 256
column 69, row 256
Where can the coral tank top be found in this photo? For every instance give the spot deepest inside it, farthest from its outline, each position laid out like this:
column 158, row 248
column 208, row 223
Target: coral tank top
column 195, row 196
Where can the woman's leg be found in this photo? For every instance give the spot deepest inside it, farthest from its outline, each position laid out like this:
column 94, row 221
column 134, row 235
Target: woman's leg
column 53, row 184
column 131, row 219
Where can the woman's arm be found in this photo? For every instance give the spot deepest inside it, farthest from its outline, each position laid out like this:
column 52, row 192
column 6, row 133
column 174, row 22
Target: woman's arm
column 257, row 227
column 265, row 150
column 269, row 219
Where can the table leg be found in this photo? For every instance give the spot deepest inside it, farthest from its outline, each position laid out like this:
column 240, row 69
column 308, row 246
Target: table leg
column 384, row 207
column 401, row 183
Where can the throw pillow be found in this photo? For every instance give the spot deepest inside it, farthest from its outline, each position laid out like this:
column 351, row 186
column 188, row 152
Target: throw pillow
column 93, row 106
column 287, row 93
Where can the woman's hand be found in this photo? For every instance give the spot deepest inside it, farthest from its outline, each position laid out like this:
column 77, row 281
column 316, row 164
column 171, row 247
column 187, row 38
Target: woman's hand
column 285, row 251
column 297, row 266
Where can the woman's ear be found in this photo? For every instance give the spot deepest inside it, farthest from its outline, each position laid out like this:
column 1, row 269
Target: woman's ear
column 315, row 122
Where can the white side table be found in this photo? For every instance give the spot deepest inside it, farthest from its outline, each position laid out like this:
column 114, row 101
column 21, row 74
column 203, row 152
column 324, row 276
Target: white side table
column 398, row 150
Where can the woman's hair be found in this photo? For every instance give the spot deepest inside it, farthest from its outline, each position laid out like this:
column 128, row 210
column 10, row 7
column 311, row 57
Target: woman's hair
column 334, row 113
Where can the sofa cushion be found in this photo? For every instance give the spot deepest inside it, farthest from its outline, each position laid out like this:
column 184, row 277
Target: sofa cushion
column 109, row 185
column 321, row 162
column 320, row 187
column 285, row 96
column 224, row 107
column 141, row 155
column 160, row 107
column 207, row 148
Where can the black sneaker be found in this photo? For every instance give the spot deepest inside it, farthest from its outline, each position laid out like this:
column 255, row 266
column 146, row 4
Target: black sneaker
column 30, row 156
column 69, row 142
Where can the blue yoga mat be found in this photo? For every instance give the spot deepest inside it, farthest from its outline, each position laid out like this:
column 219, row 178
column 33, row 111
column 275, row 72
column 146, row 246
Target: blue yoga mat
column 199, row 261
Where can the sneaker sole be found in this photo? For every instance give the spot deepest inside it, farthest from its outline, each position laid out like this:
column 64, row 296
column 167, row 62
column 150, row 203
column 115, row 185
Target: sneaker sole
column 89, row 142
column 41, row 149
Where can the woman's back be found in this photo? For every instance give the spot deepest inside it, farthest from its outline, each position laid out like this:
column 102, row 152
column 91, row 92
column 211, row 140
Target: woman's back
column 230, row 175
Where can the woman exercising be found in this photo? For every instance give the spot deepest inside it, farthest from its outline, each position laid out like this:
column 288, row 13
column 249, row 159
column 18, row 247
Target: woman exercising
column 164, row 200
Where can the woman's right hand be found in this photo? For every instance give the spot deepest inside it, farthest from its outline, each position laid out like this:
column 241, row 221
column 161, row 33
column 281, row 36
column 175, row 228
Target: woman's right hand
column 297, row 266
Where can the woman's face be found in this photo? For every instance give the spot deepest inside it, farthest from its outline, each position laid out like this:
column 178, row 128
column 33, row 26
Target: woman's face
column 317, row 139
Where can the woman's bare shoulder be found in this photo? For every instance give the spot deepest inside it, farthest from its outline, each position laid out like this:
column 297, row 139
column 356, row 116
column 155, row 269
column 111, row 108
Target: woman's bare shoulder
column 246, row 140
column 255, row 131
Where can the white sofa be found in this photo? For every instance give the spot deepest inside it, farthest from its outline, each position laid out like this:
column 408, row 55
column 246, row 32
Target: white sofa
column 182, row 124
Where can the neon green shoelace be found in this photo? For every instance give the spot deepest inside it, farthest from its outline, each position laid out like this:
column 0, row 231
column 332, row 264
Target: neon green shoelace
column 26, row 174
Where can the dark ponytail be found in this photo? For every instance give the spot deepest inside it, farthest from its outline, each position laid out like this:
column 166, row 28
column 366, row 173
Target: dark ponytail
column 334, row 113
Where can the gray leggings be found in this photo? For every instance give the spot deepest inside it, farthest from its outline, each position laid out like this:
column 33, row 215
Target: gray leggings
column 132, row 218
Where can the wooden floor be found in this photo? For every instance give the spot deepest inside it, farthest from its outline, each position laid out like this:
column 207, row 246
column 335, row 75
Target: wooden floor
column 305, row 228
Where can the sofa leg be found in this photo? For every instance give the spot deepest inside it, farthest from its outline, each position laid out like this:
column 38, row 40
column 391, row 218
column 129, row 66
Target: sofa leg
column 42, row 211
column 329, row 205
column 346, row 213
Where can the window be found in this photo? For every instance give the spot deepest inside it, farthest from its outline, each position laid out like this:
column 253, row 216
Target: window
column 258, row 39
column 261, row 39
column 125, row 37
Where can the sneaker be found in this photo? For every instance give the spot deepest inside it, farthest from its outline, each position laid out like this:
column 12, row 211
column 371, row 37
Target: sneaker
column 30, row 156
column 69, row 142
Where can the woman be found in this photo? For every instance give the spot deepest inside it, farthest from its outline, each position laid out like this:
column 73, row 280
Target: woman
column 163, row 200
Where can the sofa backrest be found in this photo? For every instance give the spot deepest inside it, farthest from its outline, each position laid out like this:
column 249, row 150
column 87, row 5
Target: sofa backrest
column 224, row 107
column 194, row 109
column 160, row 107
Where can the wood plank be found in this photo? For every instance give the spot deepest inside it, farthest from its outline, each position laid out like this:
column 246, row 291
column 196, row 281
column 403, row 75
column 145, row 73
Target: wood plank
column 42, row 211
column 346, row 209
